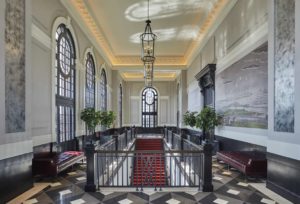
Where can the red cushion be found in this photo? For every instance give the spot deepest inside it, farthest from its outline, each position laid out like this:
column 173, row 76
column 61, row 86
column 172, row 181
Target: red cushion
column 64, row 156
column 76, row 153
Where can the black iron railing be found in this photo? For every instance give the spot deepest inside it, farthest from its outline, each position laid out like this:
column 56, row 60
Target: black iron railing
column 182, row 168
column 184, row 164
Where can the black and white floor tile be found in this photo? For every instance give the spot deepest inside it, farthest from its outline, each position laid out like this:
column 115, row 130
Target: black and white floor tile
column 229, row 187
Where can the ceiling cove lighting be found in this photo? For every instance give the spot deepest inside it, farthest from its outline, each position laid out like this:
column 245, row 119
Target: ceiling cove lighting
column 147, row 52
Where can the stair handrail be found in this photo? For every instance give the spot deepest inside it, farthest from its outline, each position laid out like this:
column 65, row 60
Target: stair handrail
column 189, row 142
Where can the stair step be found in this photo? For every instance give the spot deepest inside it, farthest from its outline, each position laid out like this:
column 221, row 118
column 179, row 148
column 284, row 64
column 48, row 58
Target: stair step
column 161, row 174
column 147, row 181
column 152, row 184
column 149, row 166
column 141, row 166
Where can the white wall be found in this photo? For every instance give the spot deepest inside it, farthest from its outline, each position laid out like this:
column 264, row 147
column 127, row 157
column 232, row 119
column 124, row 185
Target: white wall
column 166, row 103
column 116, row 82
column 15, row 144
column 282, row 143
column 44, row 14
column 242, row 30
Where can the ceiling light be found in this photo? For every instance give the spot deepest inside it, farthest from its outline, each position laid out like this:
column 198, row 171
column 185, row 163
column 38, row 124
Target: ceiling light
column 147, row 53
column 148, row 73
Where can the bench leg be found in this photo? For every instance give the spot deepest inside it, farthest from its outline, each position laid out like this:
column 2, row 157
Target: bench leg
column 245, row 178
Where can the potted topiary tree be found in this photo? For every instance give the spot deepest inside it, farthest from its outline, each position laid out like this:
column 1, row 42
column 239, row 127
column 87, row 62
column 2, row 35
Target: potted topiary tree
column 207, row 120
column 107, row 118
column 92, row 118
column 189, row 118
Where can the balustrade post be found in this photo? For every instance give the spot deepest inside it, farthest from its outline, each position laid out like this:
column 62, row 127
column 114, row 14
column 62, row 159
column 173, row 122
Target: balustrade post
column 207, row 169
column 116, row 138
column 172, row 139
column 167, row 135
column 183, row 137
column 90, row 168
column 134, row 132
column 126, row 140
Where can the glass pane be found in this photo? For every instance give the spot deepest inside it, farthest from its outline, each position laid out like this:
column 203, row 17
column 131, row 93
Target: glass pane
column 149, row 107
column 65, row 84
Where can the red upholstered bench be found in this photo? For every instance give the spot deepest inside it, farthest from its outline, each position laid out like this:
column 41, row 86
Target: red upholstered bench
column 50, row 164
column 251, row 163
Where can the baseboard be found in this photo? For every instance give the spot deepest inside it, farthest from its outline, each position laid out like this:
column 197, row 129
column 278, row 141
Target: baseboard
column 283, row 176
column 15, row 176
column 227, row 144
column 294, row 198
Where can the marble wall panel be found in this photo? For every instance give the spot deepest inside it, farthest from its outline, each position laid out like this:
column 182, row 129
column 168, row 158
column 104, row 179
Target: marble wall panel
column 15, row 66
column 284, row 59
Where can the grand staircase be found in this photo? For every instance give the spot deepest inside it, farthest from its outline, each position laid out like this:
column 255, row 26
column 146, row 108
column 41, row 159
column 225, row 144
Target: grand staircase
column 149, row 168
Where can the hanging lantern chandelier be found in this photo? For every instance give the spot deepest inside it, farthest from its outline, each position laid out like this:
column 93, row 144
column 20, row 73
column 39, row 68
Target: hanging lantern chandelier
column 148, row 73
column 148, row 41
column 147, row 52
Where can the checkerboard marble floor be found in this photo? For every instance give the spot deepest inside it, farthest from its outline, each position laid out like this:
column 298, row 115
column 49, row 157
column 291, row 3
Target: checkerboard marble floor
column 229, row 187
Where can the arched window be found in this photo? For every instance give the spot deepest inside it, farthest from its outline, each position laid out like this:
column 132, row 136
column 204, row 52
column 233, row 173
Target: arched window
column 103, row 91
column 149, row 107
column 90, row 82
column 65, row 84
column 120, row 104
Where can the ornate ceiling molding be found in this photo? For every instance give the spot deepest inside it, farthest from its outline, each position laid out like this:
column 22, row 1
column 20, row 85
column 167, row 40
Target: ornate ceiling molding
column 79, row 9
column 205, row 29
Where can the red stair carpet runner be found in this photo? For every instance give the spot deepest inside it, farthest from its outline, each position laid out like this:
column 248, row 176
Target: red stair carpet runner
column 149, row 169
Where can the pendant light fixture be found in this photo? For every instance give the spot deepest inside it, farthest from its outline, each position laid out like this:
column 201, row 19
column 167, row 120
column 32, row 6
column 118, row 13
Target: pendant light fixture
column 147, row 52
column 148, row 41
column 148, row 73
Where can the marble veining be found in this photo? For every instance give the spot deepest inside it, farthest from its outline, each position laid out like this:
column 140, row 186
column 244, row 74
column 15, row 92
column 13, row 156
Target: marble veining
column 284, row 58
column 15, row 66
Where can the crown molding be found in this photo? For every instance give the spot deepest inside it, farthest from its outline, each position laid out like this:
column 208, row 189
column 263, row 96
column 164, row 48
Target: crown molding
column 212, row 22
column 78, row 13
column 81, row 14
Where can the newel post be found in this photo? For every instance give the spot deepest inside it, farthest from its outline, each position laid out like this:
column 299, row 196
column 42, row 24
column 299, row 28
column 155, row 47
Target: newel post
column 207, row 171
column 90, row 165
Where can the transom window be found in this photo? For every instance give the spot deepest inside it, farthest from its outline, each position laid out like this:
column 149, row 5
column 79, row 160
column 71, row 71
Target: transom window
column 103, row 91
column 65, row 84
column 149, row 107
column 90, row 82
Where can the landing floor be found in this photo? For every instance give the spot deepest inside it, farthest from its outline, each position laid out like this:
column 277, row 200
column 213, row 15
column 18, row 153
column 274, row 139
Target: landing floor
column 230, row 187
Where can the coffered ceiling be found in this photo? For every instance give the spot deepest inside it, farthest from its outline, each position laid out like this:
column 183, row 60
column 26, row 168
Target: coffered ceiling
column 114, row 27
